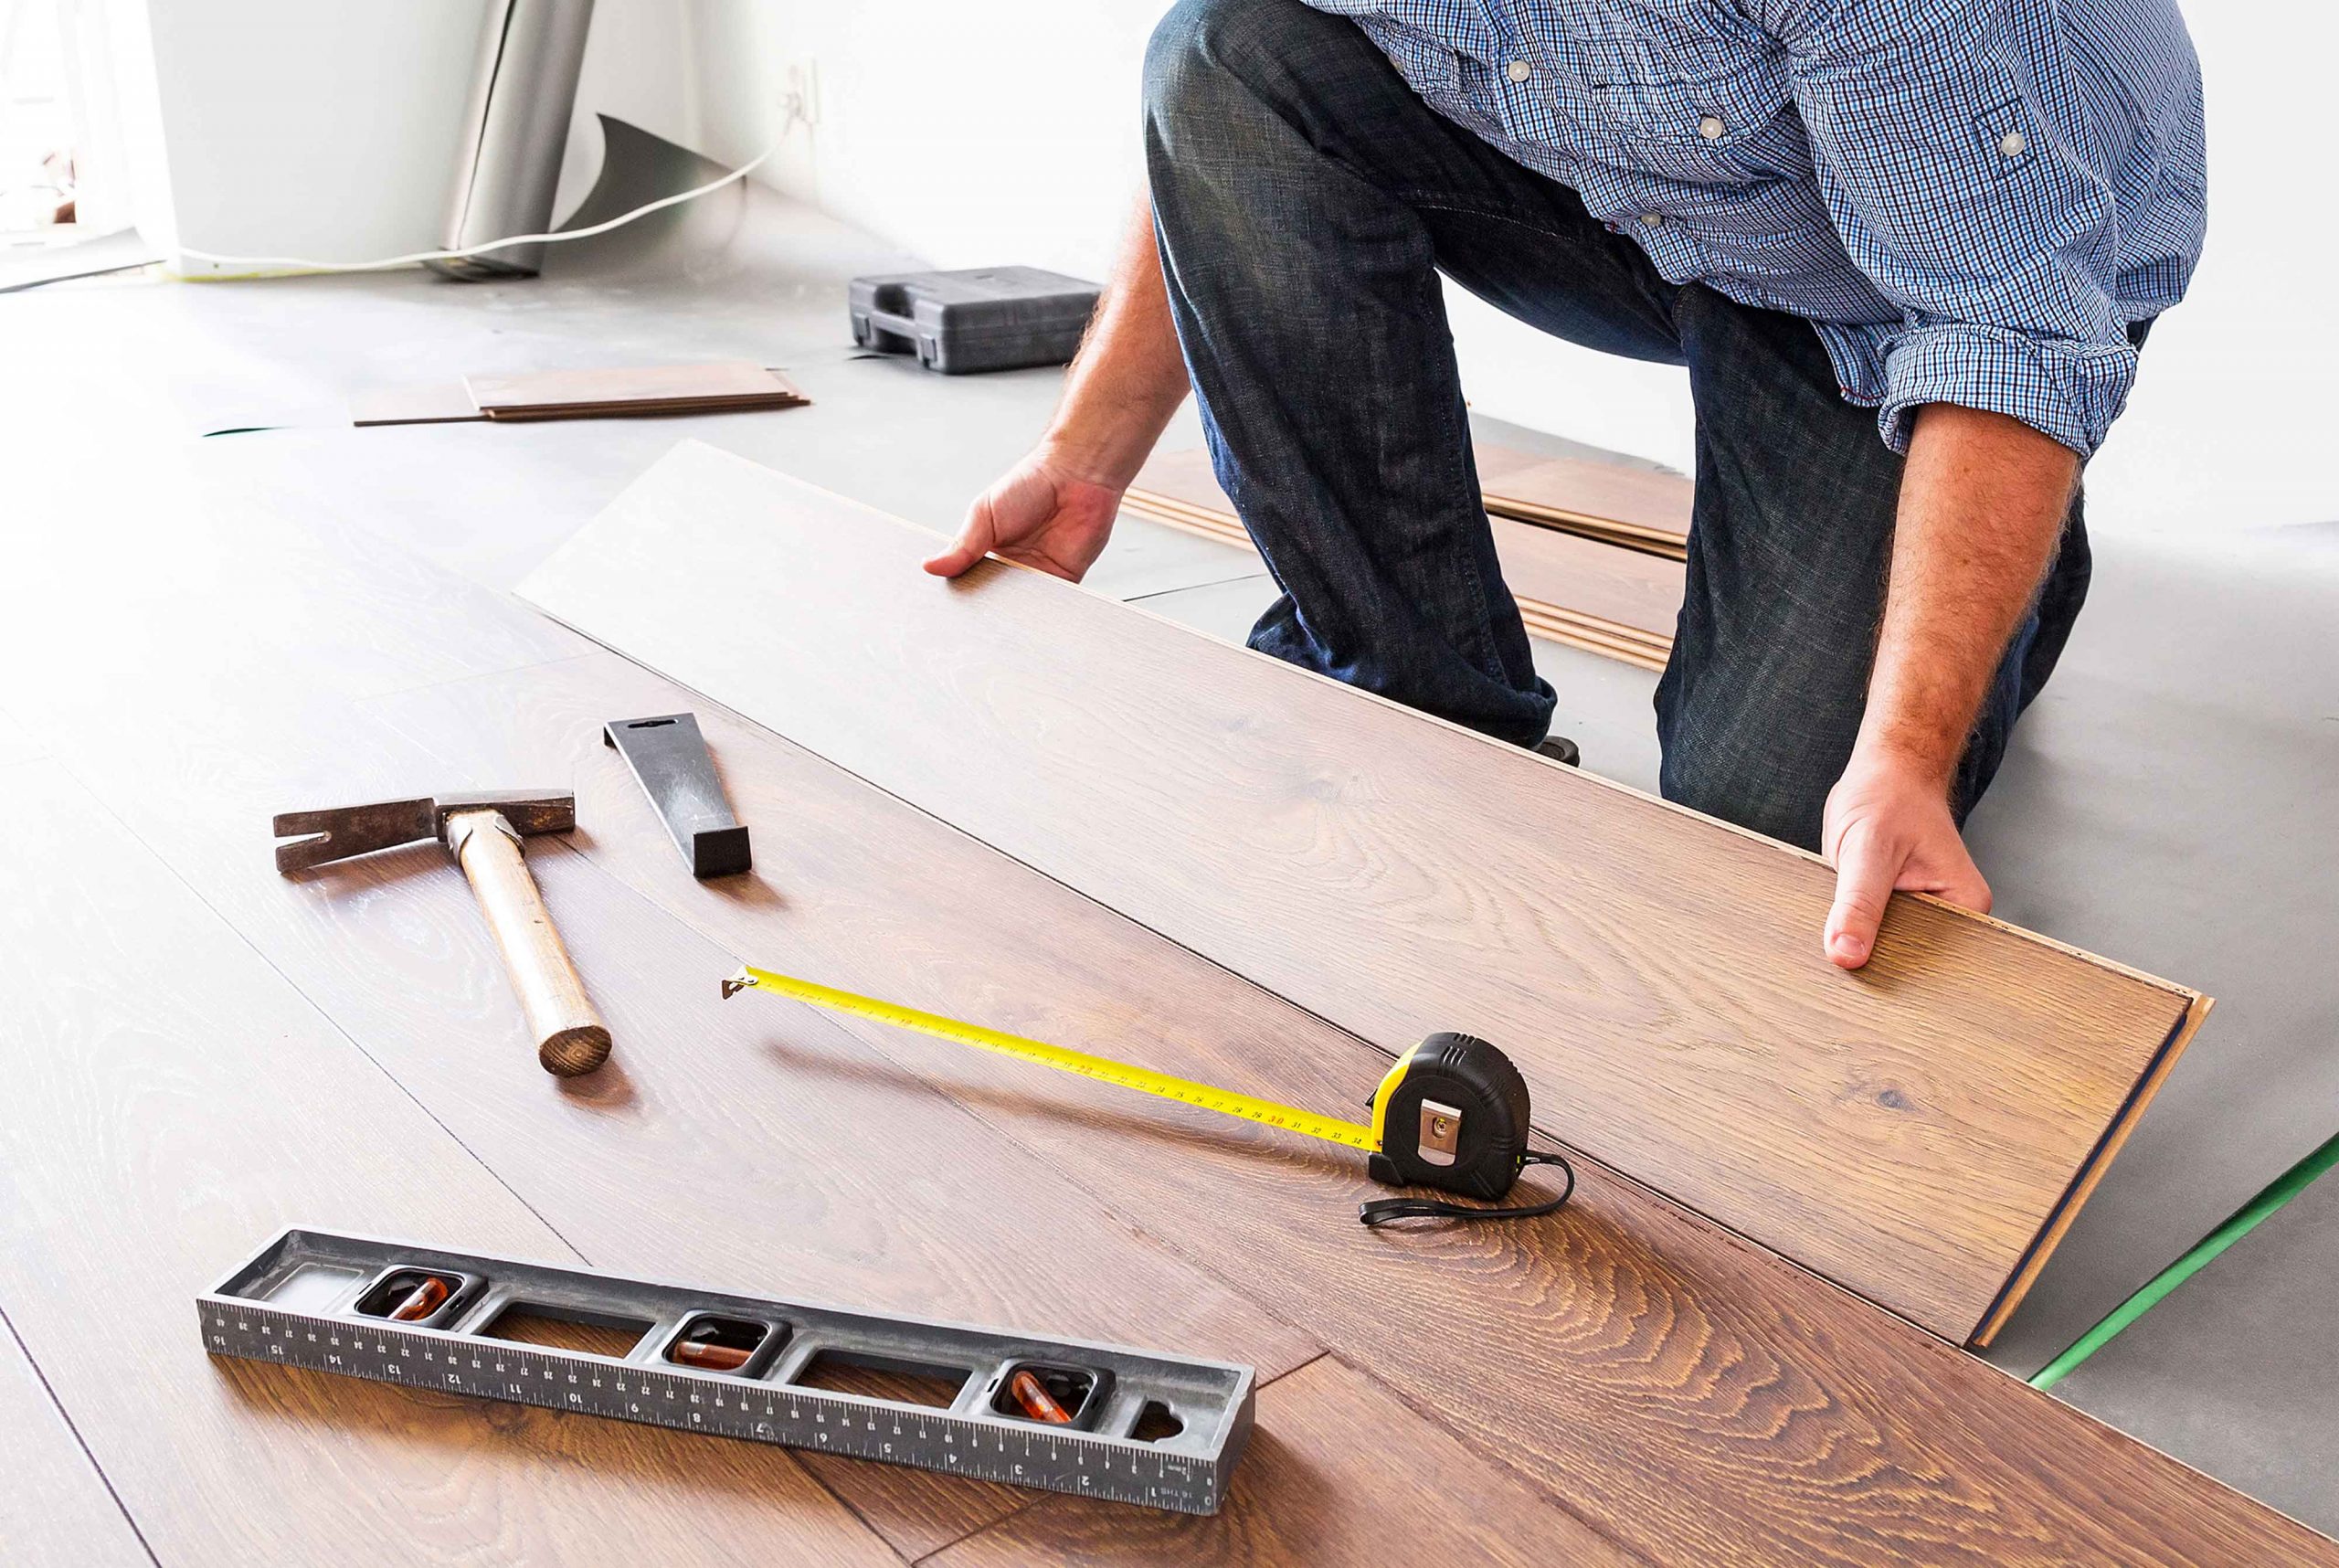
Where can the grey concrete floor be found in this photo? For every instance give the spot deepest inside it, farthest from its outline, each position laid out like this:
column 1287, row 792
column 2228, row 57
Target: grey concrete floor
column 2167, row 803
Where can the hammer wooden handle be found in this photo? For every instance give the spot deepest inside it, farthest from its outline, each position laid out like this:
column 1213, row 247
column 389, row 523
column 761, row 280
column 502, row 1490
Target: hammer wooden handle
column 570, row 1036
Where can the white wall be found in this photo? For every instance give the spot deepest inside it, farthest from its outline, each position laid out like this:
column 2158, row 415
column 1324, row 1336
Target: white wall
column 970, row 133
column 974, row 134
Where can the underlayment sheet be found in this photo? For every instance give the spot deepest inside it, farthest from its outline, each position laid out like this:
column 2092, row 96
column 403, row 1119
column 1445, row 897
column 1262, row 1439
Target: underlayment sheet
column 2170, row 798
column 30, row 266
column 2237, row 1372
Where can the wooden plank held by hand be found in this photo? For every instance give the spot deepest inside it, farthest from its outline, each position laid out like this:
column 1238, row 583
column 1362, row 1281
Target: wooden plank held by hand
column 1919, row 1131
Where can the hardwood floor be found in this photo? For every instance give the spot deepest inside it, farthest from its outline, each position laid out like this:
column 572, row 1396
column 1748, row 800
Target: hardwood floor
column 695, row 1116
column 171, row 1101
column 198, row 1051
column 1316, row 1488
column 1628, row 1360
column 55, row 1510
column 1916, row 1131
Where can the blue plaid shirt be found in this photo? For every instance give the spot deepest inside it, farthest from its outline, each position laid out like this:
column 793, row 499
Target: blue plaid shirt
column 1971, row 199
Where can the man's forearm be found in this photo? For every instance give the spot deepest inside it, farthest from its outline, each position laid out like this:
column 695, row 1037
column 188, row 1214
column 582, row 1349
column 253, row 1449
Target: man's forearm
column 1128, row 377
column 1982, row 505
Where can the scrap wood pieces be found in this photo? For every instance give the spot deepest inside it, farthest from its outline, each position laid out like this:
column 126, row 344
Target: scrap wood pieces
column 1573, row 586
column 619, row 392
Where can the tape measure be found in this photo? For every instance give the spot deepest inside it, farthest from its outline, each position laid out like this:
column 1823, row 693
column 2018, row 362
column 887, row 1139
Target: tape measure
column 1450, row 1114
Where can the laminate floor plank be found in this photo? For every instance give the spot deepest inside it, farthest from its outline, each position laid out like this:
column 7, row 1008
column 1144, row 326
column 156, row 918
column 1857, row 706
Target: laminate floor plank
column 1640, row 592
column 55, row 1510
column 174, row 588
column 1628, row 498
column 171, row 1103
column 1918, row 1131
column 1596, row 594
column 693, row 1155
column 18, row 744
column 1688, row 1393
column 1316, row 1487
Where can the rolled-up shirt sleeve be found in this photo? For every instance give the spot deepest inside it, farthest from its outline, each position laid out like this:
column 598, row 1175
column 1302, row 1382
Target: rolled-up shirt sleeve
column 1959, row 167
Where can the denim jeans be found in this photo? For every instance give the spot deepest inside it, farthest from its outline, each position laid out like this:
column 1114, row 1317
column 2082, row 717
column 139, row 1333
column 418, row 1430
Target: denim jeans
column 1306, row 201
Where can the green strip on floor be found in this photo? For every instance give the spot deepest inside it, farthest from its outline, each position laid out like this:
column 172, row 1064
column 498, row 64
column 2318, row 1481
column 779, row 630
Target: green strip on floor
column 2243, row 1221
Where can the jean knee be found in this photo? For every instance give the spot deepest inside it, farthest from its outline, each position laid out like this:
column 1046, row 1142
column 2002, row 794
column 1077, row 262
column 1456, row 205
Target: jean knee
column 1783, row 804
column 1181, row 58
column 1208, row 61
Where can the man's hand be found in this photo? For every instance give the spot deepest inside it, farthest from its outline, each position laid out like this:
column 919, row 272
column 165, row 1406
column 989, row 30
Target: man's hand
column 1981, row 503
column 1887, row 826
column 1039, row 514
column 1055, row 510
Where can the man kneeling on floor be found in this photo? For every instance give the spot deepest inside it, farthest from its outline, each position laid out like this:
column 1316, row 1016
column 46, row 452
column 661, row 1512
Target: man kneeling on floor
column 1959, row 214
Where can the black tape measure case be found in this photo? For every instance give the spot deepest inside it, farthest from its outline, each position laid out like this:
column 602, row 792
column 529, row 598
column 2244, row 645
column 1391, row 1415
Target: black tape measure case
column 1454, row 1114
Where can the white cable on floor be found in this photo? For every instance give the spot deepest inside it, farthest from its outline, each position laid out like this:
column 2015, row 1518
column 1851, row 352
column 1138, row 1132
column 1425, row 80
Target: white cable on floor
column 741, row 173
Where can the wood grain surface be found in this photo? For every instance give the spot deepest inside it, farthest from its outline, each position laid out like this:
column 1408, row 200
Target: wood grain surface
column 1611, row 500
column 1337, row 1472
column 54, row 1509
column 1912, row 1130
column 1629, row 1361
column 198, row 1051
column 695, row 1153
column 1567, row 571
column 1619, row 501
column 171, row 1102
column 394, row 948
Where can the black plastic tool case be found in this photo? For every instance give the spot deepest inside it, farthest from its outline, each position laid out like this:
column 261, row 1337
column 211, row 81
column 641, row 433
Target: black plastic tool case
column 991, row 318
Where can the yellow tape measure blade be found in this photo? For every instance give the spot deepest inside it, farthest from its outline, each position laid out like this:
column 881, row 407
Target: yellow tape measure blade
column 1186, row 1091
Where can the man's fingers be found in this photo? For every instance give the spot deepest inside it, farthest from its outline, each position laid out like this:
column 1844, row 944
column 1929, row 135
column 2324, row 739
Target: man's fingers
column 1865, row 869
column 1967, row 890
column 973, row 542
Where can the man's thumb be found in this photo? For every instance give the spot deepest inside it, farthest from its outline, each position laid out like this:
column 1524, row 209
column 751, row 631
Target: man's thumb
column 1865, row 871
column 973, row 542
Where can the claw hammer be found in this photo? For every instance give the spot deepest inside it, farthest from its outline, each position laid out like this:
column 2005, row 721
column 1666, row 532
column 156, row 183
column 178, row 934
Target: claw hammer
column 482, row 832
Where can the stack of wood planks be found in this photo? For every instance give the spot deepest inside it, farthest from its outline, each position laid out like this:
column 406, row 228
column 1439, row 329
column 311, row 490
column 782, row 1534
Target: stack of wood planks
column 1593, row 552
column 1618, row 503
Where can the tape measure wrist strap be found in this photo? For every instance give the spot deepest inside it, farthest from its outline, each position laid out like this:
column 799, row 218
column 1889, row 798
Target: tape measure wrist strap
column 1380, row 1211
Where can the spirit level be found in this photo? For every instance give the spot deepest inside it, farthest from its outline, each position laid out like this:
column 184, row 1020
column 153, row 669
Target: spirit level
column 1104, row 1421
column 1451, row 1113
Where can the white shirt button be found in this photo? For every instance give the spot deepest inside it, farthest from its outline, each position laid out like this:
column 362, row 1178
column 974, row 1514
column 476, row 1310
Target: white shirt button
column 1518, row 70
column 1710, row 128
column 1653, row 218
column 2012, row 143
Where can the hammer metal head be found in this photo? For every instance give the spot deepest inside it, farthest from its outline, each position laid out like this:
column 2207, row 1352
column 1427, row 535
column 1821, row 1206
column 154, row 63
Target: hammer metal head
column 316, row 838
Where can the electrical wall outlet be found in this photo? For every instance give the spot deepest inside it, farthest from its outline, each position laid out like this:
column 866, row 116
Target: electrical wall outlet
column 799, row 96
